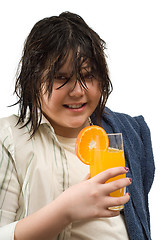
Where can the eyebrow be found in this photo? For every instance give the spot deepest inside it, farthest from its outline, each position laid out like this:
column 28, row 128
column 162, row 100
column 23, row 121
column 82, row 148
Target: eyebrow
column 62, row 72
column 67, row 74
column 88, row 68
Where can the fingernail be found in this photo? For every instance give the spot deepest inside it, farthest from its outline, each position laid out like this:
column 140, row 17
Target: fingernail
column 130, row 179
column 126, row 169
column 128, row 194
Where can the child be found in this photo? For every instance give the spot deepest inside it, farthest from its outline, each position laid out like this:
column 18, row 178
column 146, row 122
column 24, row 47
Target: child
column 46, row 193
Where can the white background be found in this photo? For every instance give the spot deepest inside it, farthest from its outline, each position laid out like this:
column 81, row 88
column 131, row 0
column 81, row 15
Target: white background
column 135, row 33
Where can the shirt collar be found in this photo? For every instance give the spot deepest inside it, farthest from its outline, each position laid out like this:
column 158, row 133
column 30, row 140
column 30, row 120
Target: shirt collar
column 44, row 120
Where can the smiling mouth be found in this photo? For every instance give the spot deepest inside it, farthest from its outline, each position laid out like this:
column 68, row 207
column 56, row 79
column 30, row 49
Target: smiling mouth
column 74, row 106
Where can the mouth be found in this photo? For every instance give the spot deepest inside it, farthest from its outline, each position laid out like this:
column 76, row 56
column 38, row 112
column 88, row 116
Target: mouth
column 74, row 106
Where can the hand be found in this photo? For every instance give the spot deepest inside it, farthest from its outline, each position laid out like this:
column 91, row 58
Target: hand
column 86, row 200
column 90, row 198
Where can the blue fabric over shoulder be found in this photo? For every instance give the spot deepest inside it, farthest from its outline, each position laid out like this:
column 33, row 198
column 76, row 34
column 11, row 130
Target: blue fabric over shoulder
column 139, row 159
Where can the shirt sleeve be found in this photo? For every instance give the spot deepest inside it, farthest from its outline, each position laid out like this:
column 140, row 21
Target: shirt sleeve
column 7, row 232
column 9, row 186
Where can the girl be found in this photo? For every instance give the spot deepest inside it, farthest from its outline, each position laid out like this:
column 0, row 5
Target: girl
column 46, row 193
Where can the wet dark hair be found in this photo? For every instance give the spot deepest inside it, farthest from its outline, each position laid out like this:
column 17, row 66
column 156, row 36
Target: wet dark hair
column 46, row 50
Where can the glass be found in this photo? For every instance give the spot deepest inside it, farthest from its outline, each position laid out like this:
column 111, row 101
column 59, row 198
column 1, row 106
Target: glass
column 113, row 157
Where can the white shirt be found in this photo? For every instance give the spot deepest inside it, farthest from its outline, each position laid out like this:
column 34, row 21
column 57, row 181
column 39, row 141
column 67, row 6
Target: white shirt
column 33, row 172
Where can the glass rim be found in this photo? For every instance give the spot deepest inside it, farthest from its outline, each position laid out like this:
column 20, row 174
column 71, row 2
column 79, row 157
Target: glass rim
column 114, row 134
column 117, row 134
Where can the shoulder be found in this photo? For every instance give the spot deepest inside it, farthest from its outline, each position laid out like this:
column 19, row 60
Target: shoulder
column 134, row 129
column 8, row 121
column 136, row 123
column 122, row 116
column 120, row 121
column 11, row 131
column 6, row 125
column 6, row 135
column 136, row 136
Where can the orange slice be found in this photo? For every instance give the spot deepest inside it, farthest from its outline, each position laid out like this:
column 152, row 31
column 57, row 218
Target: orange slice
column 91, row 137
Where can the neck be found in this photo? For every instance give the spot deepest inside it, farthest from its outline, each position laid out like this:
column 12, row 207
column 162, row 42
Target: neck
column 69, row 132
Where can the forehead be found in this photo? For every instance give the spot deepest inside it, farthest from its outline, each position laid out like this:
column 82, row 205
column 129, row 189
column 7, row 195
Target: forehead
column 75, row 63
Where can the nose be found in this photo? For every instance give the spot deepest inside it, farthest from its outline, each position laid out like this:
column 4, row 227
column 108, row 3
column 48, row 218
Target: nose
column 77, row 90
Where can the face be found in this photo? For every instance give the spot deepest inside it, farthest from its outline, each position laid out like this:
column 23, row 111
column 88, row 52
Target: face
column 69, row 107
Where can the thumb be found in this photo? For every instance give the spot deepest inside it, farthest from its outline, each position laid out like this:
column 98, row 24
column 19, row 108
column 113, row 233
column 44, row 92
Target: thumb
column 87, row 177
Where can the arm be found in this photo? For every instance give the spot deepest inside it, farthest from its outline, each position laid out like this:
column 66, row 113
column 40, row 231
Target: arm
column 88, row 199
column 9, row 188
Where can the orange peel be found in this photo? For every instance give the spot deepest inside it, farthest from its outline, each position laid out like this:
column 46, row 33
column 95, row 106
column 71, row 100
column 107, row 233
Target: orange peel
column 91, row 137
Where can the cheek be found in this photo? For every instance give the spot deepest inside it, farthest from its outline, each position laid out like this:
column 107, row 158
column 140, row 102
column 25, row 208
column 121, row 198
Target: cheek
column 47, row 103
column 95, row 91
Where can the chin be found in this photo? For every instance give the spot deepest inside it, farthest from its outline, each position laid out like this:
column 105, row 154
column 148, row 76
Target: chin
column 79, row 125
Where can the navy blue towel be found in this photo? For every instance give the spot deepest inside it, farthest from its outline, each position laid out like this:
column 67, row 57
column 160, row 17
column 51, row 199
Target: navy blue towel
column 139, row 159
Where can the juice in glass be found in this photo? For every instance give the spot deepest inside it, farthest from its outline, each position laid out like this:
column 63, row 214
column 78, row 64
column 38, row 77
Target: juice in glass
column 102, row 160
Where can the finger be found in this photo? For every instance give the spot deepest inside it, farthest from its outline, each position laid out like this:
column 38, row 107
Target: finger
column 117, row 184
column 110, row 213
column 117, row 201
column 109, row 173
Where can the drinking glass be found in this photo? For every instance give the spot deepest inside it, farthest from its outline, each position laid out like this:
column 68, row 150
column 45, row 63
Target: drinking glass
column 113, row 157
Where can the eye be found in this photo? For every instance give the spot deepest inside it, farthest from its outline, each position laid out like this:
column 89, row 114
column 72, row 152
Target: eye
column 61, row 78
column 88, row 76
column 60, row 81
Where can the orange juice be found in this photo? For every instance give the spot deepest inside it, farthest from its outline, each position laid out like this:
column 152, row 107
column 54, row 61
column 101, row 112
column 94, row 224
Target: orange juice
column 102, row 160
